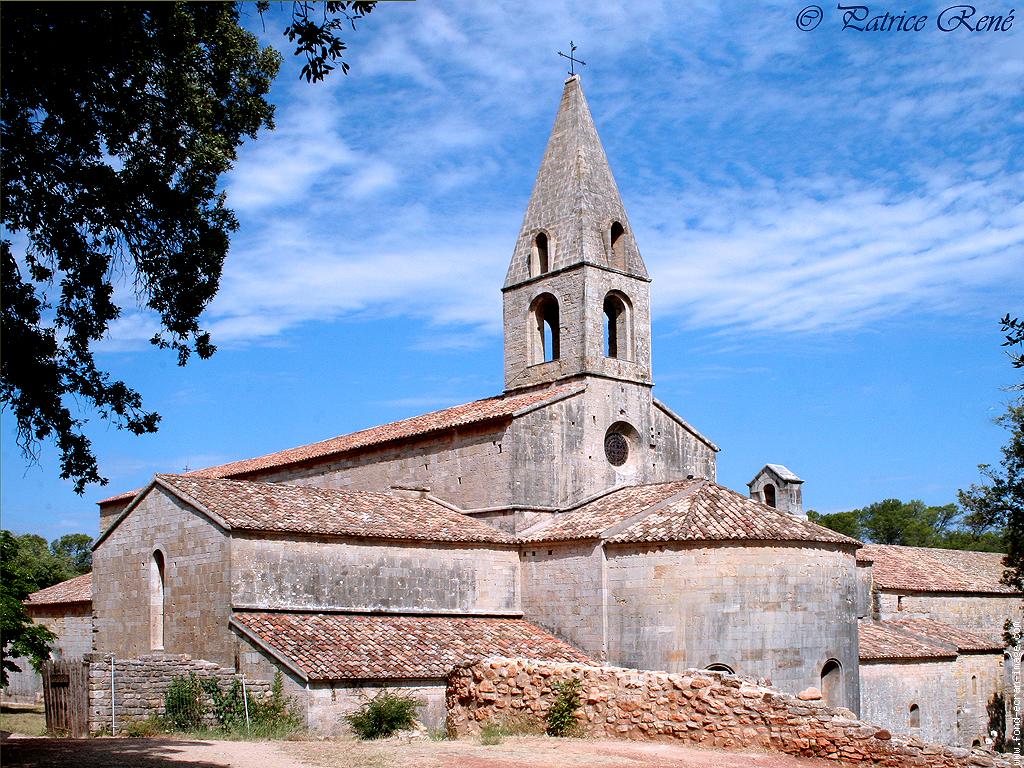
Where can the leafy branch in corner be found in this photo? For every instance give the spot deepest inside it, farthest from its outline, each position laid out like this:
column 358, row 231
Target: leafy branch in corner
column 317, row 39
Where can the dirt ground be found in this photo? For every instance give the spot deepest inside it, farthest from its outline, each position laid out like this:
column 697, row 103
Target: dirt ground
column 393, row 753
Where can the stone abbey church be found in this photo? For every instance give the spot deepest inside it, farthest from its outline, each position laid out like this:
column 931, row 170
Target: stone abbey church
column 573, row 517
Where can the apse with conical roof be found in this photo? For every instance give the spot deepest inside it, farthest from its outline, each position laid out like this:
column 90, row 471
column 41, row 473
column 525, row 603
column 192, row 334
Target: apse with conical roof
column 576, row 294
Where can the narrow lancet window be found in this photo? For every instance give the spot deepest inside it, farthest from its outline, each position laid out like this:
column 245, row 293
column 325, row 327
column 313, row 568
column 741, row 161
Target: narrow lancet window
column 540, row 261
column 543, row 329
column 156, row 601
column 915, row 716
column 618, row 333
column 618, row 244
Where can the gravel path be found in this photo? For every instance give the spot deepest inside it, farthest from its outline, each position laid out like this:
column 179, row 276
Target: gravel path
column 512, row 753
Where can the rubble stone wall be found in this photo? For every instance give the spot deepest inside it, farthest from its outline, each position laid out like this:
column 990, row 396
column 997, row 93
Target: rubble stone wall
column 706, row 708
column 139, row 686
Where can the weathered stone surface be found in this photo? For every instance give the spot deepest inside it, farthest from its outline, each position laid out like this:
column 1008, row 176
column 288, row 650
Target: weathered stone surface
column 622, row 703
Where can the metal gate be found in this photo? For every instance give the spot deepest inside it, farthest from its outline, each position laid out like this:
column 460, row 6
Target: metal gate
column 66, row 697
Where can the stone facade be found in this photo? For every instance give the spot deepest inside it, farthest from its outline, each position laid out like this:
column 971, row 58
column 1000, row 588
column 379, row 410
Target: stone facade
column 976, row 612
column 778, row 611
column 891, row 689
column 197, row 582
column 310, row 575
column 706, row 708
column 138, row 686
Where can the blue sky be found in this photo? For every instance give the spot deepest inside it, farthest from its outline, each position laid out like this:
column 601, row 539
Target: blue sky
column 834, row 221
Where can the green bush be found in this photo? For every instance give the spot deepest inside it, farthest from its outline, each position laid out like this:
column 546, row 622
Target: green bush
column 561, row 717
column 383, row 715
column 274, row 716
column 183, row 703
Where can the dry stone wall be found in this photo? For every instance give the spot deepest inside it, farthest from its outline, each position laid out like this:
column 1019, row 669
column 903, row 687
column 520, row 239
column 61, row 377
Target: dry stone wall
column 139, row 686
column 695, row 706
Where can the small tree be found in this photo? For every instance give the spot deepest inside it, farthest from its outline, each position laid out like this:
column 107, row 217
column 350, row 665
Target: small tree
column 561, row 715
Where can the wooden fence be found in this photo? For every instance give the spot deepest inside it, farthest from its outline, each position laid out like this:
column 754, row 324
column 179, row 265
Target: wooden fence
column 66, row 697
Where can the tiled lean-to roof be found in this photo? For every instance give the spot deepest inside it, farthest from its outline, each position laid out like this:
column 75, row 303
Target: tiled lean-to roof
column 686, row 510
column 478, row 411
column 939, row 632
column 923, row 569
column 76, row 590
column 900, row 639
column 277, row 507
column 881, row 641
column 381, row 647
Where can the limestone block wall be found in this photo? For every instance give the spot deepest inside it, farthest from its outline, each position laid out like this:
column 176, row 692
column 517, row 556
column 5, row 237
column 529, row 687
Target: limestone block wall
column 888, row 690
column 567, row 288
column 469, row 467
column 197, row 597
column 139, row 684
column 324, row 705
column 558, row 455
column 980, row 613
column 979, row 677
column 563, row 591
column 280, row 573
column 771, row 611
column 71, row 623
column 711, row 709
column 24, row 685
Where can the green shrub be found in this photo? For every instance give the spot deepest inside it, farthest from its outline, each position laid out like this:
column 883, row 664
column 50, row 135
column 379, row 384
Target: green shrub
column 274, row 716
column 561, row 717
column 491, row 734
column 183, row 703
column 383, row 715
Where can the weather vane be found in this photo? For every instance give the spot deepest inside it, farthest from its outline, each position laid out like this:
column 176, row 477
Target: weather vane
column 573, row 61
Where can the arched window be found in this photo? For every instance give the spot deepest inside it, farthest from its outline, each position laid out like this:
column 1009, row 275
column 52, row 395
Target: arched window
column 974, row 683
column 543, row 329
column 618, row 243
column 915, row 716
column 618, row 332
column 539, row 257
column 720, row 668
column 156, row 601
column 769, row 494
column 832, row 683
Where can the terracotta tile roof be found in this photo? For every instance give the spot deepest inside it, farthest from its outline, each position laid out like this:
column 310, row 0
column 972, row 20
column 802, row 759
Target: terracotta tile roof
column 591, row 520
column 500, row 407
column 922, row 569
column 942, row 633
column 244, row 505
column 379, row 647
column 687, row 510
column 882, row 641
column 76, row 590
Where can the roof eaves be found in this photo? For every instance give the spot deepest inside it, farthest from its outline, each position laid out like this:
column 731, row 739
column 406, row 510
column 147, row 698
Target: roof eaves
column 548, row 401
column 123, row 514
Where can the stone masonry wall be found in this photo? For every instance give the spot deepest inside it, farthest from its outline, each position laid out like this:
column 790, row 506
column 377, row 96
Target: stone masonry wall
column 978, row 613
column 279, row 573
column 197, row 601
column 777, row 610
column 139, row 686
column 889, row 689
column 706, row 708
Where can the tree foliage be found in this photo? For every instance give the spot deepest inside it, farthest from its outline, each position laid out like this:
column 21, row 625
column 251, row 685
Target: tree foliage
column 913, row 524
column 118, row 120
column 28, row 564
column 1013, row 335
column 998, row 501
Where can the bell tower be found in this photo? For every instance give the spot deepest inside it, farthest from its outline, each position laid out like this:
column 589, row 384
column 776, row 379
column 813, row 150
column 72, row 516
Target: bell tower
column 577, row 295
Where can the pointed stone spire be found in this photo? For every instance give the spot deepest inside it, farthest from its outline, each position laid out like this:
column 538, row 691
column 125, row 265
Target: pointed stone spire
column 575, row 205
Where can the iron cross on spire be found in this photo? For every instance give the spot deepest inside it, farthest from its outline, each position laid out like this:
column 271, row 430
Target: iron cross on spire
column 573, row 61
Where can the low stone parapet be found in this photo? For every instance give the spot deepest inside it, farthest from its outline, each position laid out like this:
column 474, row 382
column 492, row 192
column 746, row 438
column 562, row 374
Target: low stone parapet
column 695, row 706
column 139, row 684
